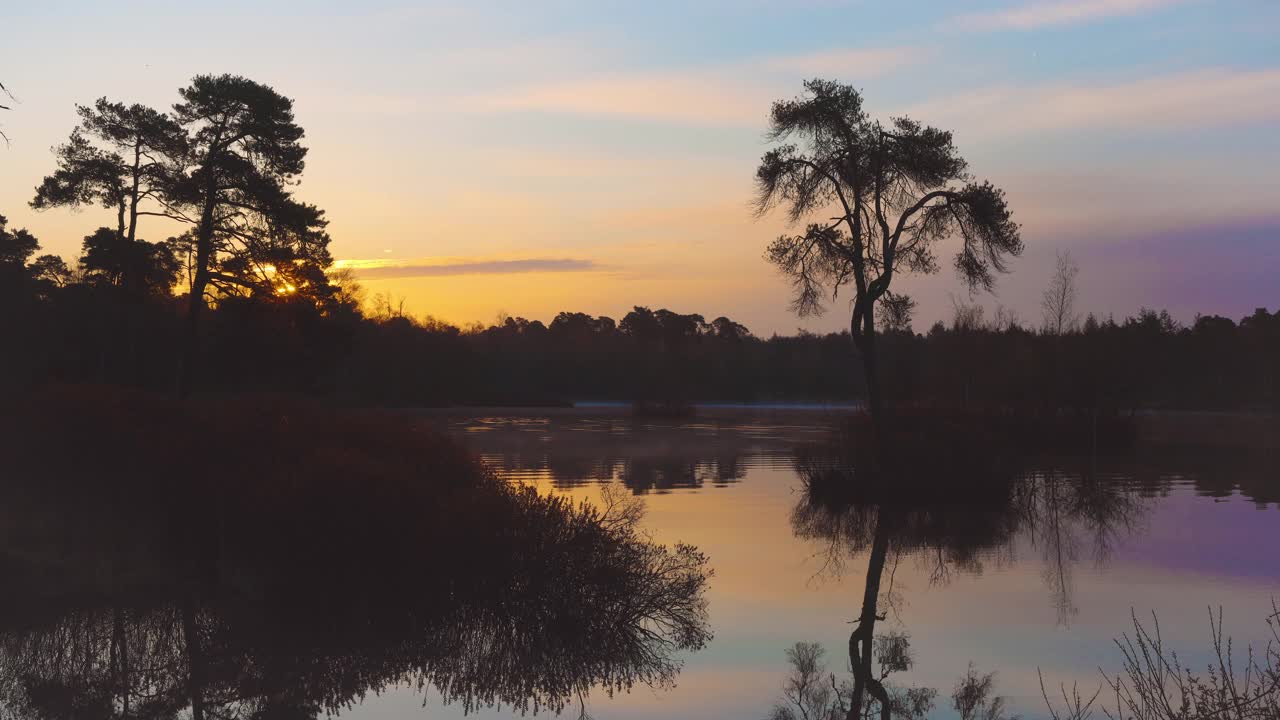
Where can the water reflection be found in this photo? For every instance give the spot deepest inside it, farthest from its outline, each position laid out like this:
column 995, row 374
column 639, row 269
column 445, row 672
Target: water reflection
column 646, row 456
column 132, row 609
column 535, row 609
column 951, row 518
column 656, row 456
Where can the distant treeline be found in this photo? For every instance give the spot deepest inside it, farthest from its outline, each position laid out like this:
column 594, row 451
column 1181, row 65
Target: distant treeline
column 114, row 319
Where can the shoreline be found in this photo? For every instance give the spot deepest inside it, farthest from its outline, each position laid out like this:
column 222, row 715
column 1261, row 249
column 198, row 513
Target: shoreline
column 624, row 410
column 1220, row 428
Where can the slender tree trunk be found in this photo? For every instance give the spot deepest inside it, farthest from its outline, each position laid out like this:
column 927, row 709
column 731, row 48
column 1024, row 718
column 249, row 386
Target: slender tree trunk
column 862, row 639
column 864, row 339
column 195, row 301
column 120, row 208
column 115, row 321
column 871, row 370
column 133, row 286
column 133, row 196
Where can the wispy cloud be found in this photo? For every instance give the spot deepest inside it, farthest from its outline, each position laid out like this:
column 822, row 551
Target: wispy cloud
column 1201, row 98
column 862, row 61
column 380, row 269
column 1063, row 12
column 733, row 94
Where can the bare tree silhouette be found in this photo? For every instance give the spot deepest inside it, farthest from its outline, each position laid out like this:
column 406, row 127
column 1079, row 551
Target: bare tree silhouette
column 1058, row 303
column 8, row 94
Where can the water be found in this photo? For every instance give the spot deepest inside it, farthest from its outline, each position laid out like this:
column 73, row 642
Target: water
column 1020, row 571
column 730, row 486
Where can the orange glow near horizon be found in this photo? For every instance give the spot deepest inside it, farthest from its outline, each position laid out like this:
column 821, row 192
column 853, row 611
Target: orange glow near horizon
column 572, row 160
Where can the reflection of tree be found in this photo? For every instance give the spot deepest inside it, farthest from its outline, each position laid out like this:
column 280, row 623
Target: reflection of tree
column 651, row 456
column 582, row 451
column 728, row 468
column 1060, row 510
column 647, row 474
column 548, row 603
column 952, row 519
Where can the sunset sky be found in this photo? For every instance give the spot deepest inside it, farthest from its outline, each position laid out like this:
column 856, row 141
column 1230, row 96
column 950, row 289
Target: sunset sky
column 531, row 157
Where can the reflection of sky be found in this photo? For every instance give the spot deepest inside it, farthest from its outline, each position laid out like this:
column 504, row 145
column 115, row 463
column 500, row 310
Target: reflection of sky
column 769, row 591
column 589, row 155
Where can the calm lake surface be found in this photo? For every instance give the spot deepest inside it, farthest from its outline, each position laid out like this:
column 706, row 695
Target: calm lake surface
column 1194, row 530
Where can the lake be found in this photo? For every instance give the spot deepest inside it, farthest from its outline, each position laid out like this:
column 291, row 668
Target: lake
column 358, row 566
column 1196, row 529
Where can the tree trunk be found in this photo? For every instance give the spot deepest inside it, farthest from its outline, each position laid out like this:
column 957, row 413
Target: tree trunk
column 120, row 208
column 195, row 301
column 133, row 194
column 186, row 367
column 871, row 371
column 864, row 339
column 862, row 639
column 132, row 284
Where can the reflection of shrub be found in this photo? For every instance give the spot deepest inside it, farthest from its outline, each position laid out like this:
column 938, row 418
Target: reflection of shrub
column 975, row 699
column 812, row 693
column 809, row 693
column 316, row 555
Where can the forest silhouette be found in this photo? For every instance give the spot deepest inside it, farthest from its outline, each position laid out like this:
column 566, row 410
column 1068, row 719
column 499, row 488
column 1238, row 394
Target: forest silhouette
column 91, row 325
column 247, row 298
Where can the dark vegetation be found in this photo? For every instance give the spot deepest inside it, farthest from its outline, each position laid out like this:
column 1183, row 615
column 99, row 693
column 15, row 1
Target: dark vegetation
column 246, row 298
column 183, row 531
column 81, row 326
column 267, row 558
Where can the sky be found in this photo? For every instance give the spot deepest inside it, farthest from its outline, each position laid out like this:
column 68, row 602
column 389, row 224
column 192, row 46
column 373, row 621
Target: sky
column 522, row 158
